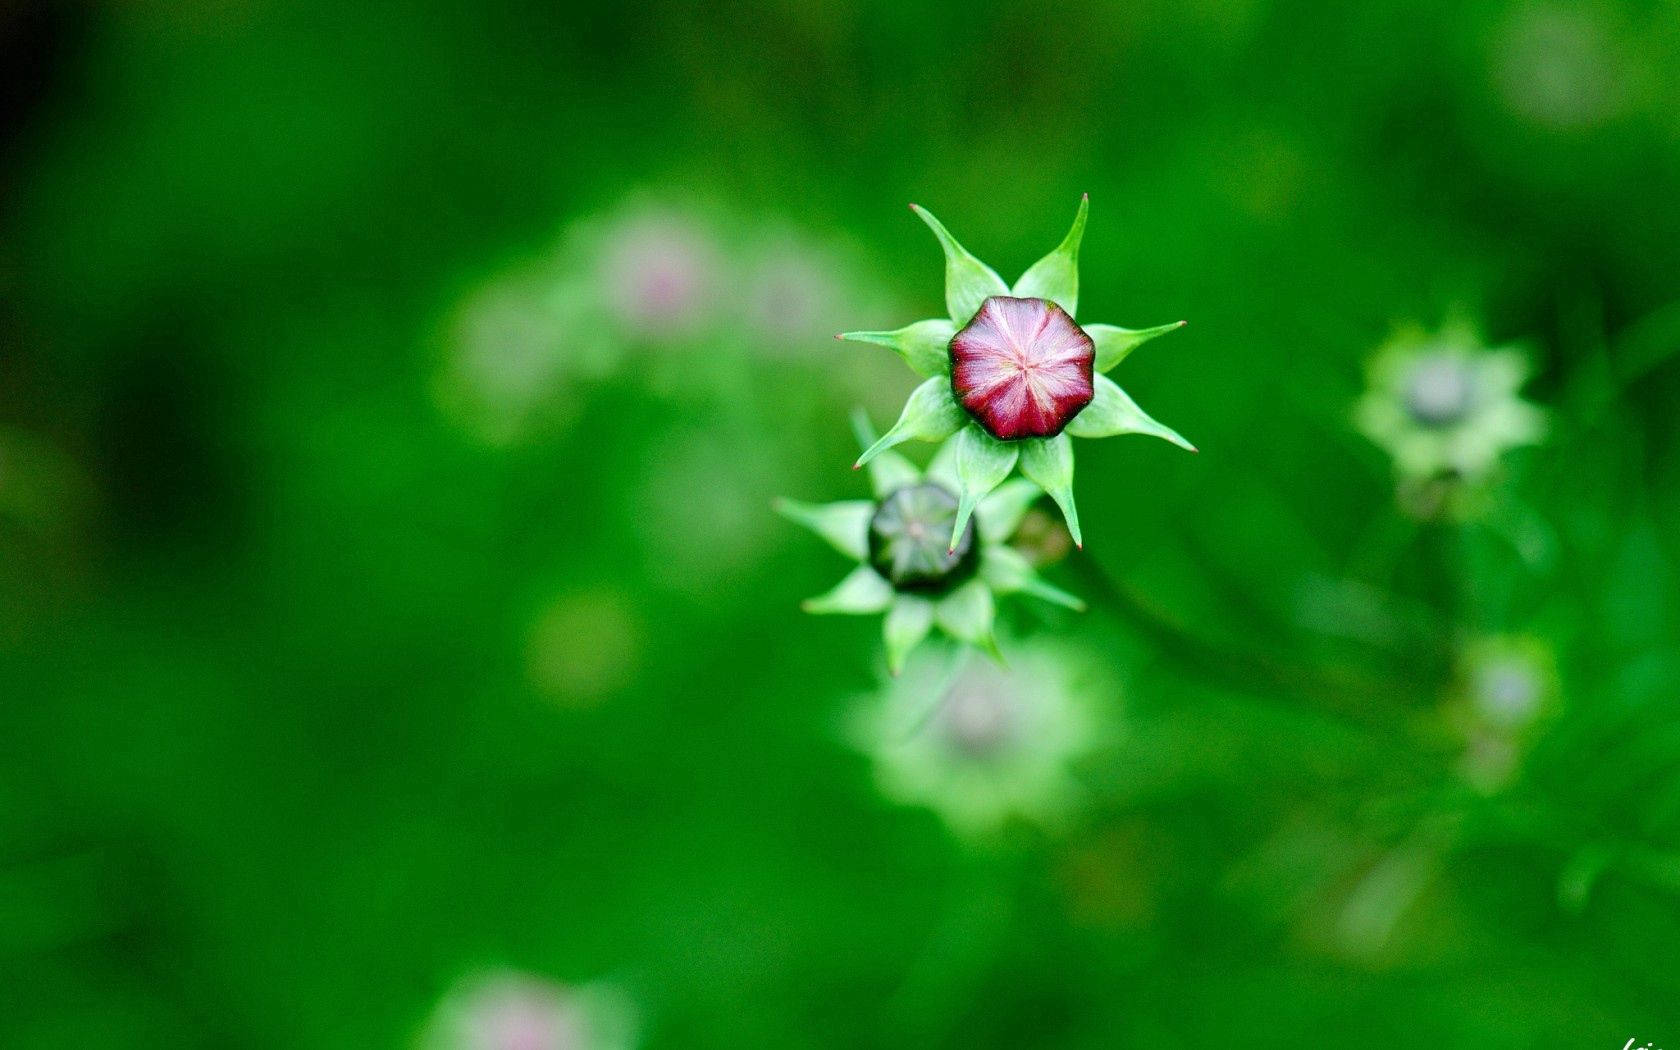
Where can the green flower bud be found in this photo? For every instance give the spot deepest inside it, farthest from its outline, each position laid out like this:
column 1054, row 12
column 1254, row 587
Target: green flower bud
column 924, row 557
column 907, row 535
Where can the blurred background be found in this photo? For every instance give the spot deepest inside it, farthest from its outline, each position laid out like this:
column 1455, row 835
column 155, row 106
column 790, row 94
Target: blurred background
column 396, row 641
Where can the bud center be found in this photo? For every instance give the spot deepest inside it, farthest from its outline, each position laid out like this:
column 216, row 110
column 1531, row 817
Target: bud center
column 1439, row 391
column 909, row 540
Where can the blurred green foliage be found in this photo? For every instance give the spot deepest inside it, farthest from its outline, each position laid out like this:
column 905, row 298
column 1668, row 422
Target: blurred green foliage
column 316, row 695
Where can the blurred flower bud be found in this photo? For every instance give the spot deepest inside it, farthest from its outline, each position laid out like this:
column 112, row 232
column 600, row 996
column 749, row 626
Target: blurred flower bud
column 661, row 273
column 515, row 1011
column 1507, row 690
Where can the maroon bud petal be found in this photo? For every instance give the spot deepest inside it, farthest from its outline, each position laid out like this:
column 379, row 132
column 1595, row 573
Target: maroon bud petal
column 1022, row 368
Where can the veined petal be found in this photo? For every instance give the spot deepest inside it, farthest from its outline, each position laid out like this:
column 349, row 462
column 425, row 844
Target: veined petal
column 1048, row 463
column 907, row 622
column 1056, row 276
column 925, row 345
column 982, row 463
column 1112, row 412
column 968, row 281
column 931, row 414
column 1114, row 344
column 861, row 593
column 1022, row 368
column 967, row 613
column 1000, row 513
column 888, row 471
column 1007, row 571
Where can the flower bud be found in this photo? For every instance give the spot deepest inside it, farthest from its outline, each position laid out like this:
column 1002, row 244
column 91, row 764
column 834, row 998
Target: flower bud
column 908, row 540
column 1022, row 367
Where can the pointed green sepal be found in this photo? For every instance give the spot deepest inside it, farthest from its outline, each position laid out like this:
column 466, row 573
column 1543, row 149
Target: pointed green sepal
column 999, row 514
column 931, row 414
column 1007, row 571
column 1114, row 344
column 968, row 281
column 1112, row 412
column 942, row 468
column 1056, row 276
column 844, row 525
column 888, row 471
column 967, row 613
column 861, row 593
column 925, row 345
column 907, row 622
column 982, row 463
column 1048, row 463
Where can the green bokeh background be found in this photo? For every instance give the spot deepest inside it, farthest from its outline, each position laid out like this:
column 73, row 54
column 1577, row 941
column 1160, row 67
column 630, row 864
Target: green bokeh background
column 276, row 768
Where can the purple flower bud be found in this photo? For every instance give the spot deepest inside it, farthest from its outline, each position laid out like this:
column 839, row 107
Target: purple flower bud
column 1022, row 367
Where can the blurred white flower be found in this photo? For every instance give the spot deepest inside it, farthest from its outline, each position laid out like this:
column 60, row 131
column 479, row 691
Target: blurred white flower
column 1445, row 407
column 661, row 270
column 982, row 744
column 516, row 1011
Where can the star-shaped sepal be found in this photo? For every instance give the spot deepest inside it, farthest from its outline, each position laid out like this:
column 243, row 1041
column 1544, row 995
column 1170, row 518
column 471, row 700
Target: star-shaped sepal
column 1011, row 376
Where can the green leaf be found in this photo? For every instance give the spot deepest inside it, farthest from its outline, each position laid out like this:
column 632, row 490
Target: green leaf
column 968, row 281
column 1007, row 571
column 861, row 593
column 844, row 525
column 1112, row 412
column 999, row 514
column 967, row 613
column 1056, row 276
column 907, row 622
column 925, row 345
column 982, row 463
column 888, row 471
column 1114, row 344
column 1048, row 463
column 931, row 414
